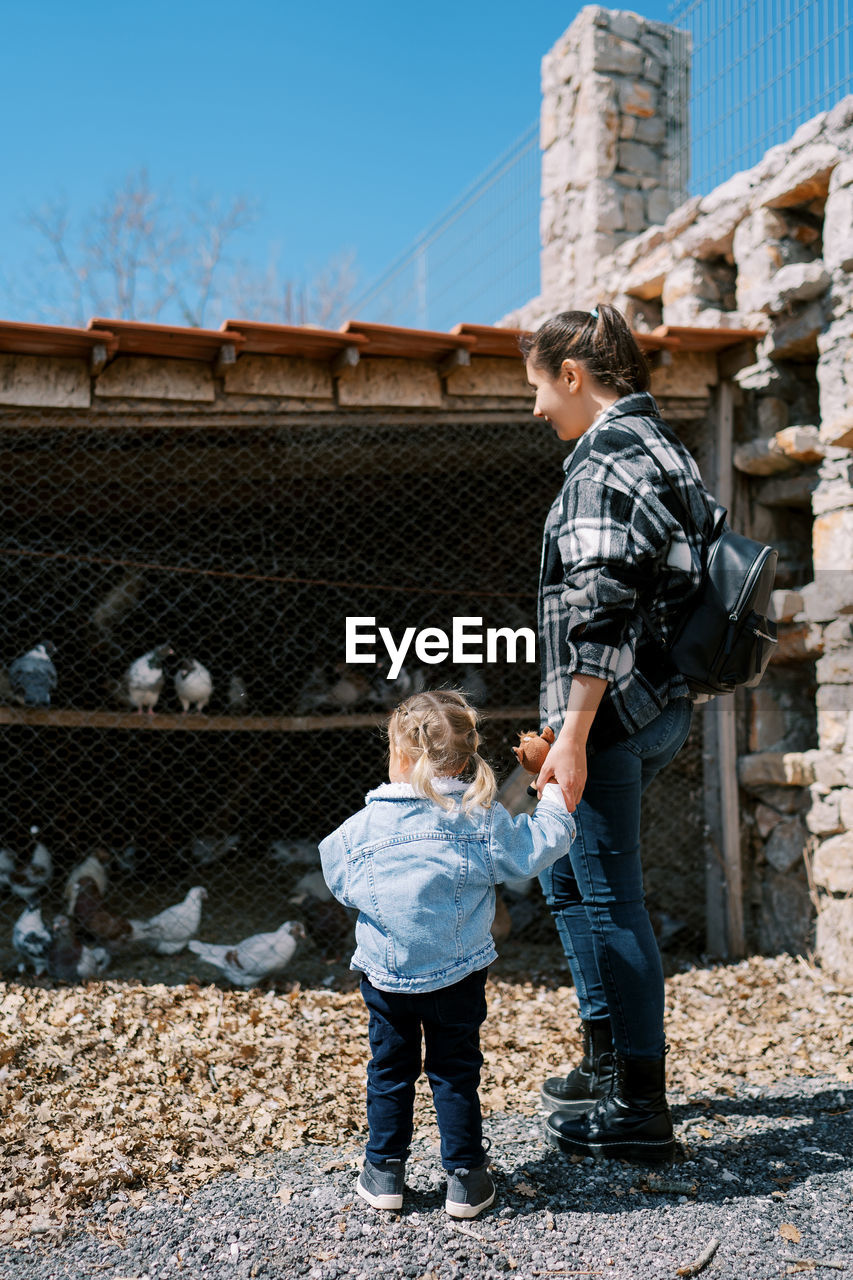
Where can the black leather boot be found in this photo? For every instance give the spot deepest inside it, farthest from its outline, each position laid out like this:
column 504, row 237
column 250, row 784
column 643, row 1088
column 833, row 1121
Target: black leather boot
column 581, row 1088
column 633, row 1123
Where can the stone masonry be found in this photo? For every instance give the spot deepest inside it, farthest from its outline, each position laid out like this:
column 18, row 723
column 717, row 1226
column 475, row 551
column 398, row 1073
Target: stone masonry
column 770, row 250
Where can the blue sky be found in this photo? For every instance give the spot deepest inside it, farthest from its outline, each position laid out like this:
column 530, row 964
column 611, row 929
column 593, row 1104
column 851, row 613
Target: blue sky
column 351, row 126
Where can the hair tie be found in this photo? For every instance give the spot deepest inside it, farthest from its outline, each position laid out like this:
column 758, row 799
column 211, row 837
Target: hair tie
column 594, row 313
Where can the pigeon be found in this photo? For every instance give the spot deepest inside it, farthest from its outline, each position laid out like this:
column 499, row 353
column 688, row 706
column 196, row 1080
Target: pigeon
column 95, row 918
column 208, row 849
column 238, row 698
column 193, row 684
column 344, row 690
column 170, row 931
column 248, row 962
column 144, row 678
column 7, row 866
column 68, row 958
column 390, row 693
column 31, row 939
column 32, row 676
column 93, row 869
column 328, row 923
column 32, row 878
column 288, row 853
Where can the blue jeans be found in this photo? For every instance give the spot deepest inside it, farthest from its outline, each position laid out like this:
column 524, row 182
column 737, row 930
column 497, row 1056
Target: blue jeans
column 595, row 892
column 450, row 1019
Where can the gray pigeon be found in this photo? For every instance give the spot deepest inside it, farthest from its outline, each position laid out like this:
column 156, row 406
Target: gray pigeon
column 31, row 939
column 144, row 678
column 67, row 957
column 32, row 676
column 250, row 961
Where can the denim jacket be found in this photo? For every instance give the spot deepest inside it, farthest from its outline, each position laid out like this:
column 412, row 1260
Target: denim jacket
column 423, row 879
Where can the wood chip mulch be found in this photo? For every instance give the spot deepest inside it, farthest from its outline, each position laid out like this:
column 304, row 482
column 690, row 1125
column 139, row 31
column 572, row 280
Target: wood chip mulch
column 112, row 1086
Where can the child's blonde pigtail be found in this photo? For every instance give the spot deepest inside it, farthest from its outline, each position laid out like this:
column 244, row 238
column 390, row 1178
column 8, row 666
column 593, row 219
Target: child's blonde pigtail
column 423, row 780
column 484, row 786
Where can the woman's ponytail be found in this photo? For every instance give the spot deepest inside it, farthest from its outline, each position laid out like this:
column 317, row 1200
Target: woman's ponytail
column 599, row 339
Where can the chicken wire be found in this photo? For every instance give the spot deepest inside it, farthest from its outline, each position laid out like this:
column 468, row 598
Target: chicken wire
column 245, row 547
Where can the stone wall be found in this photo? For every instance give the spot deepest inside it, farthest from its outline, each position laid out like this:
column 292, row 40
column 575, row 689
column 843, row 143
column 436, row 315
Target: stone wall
column 608, row 130
column 770, row 250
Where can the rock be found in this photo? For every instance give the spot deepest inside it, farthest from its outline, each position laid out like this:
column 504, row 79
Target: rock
column 836, row 667
column 772, row 412
column 834, row 938
column 762, row 458
column 775, row 768
column 834, row 704
column 845, row 807
column 785, row 604
column 793, row 283
column 784, row 848
column 832, row 768
column 766, row 376
column 835, row 379
column 689, row 288
column 832, row 864
column 637, row 98
column 802, row 444
column 602, row 50
column 824, row 814
column 832, row 541
column 682, row 217
column 783, row 799
column 838, row 634
column 794, row 337
column 766, row 819
column 638, row 157
column 838, row 221
column 827, row 597
column 786, row 913
column 711, row 233
column 762, row 244
column 805, row 177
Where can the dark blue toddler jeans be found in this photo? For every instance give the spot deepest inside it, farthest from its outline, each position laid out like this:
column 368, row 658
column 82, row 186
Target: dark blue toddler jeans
column 450, row 1019
column 595, row 892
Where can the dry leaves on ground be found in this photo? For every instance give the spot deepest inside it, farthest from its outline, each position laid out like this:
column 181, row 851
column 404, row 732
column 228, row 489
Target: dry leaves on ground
column 110, row 1086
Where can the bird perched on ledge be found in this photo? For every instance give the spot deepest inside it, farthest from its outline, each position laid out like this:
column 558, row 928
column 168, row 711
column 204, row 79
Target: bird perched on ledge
column 193, row 685
column 32, row 676
column 144, row 678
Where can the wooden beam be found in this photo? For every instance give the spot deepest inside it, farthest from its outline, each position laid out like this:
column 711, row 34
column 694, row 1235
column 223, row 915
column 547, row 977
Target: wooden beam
column 98, row 357
column 723, row 867
column 70, row 718
column 226, row 358
column 457, row 359
column 345, row 360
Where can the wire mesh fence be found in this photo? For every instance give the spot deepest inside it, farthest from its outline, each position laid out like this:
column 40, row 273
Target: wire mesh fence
column 244, row 549
column 759, row 69
column 480, row 259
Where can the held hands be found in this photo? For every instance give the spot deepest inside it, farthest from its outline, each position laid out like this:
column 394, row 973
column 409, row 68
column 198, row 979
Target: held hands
column 565, row 764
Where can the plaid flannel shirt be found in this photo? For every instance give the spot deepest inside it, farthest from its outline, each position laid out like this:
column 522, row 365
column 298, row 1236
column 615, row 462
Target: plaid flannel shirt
column 617, row 542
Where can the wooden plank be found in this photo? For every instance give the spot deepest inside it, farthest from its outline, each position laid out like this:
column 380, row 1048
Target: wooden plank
column 723, row 868
column 70, row 718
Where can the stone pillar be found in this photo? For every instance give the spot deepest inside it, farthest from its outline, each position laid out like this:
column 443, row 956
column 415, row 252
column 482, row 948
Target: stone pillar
column 614, row 130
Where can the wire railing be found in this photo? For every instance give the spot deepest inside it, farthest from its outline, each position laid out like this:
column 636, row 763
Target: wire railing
column 760, row 69
column 477, row 261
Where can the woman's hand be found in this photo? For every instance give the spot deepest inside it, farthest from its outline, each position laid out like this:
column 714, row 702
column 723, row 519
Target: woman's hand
column 565, row 764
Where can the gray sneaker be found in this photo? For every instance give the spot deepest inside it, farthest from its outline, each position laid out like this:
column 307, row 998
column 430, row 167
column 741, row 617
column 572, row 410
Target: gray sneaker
column 382, row 1184
column 469, row 1191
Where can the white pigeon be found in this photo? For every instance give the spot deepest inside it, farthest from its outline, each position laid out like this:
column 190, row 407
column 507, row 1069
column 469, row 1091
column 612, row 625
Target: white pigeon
column 32, row 676
column 170, row 930
column 250, row 961
column 31, row 939
column 193, row 685
column 92, row 868
column 144, row 678
column 32, row 878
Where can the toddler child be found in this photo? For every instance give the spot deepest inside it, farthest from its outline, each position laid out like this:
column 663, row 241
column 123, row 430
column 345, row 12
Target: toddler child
column 420, row 862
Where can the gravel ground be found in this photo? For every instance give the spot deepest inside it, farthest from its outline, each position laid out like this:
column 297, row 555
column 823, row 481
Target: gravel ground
column 766, row 1172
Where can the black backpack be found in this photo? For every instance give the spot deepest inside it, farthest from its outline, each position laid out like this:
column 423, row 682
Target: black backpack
column 723, row 637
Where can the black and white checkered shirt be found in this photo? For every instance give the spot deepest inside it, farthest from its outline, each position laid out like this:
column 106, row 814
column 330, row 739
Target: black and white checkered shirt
column 618, row 541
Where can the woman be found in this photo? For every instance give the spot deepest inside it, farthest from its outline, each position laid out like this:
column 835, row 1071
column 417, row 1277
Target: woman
column 617, row 564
